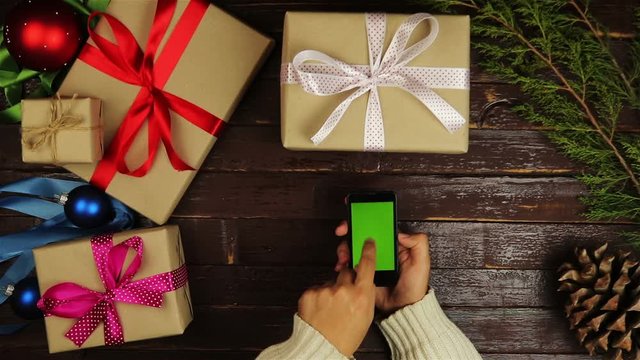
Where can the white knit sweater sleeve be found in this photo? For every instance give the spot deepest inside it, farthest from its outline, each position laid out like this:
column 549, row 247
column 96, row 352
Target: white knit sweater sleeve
column 305, row 343
column 423, row 331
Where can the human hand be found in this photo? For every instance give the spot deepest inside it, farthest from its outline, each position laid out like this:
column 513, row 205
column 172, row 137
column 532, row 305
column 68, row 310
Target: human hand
column 343, row 312
column 415, row 268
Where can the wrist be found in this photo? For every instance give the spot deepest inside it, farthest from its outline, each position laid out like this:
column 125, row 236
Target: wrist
column 314, row 342
column 391, row 306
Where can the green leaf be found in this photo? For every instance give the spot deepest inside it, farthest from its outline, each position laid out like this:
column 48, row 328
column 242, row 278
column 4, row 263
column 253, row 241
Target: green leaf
column 98, row 5
column 13, row 93
column 79, row 6
column 6, row 61
column 46, row 81
column 88, row 6
column 8, row 78
column 12, row 114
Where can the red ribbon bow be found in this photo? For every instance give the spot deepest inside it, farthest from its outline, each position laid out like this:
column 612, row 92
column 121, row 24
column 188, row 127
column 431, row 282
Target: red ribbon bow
column 125, row 61
column 91, row 307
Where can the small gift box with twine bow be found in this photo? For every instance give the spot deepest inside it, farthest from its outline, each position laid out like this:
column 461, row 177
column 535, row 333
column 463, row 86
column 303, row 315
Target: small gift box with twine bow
column 62, row 130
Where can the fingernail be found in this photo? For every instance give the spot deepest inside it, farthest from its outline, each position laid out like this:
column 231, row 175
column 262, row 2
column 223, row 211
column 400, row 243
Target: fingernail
column 370, row 241
column 403, row 235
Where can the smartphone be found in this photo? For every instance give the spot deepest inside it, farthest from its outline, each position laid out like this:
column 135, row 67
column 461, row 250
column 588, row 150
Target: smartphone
column 373, row 215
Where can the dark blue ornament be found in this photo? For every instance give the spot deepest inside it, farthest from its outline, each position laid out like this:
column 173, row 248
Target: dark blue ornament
column 24, row 299
column 88, row 207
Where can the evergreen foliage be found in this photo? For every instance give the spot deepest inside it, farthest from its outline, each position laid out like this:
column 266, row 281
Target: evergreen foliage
column 561, row 57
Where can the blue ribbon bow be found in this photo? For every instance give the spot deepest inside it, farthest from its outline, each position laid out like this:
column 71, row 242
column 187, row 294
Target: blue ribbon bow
column 55, row 227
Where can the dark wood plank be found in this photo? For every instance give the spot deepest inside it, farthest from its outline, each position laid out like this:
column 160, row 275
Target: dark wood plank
column 420, row 197
column 39, row 354
column 456, row 245
column 255, row 149
column 109, row 354
column 283, row 285
column 234, row 329
column 303, row 196
column 9, row 225
column 268, row 16
column 100, row 354
column 453, row 245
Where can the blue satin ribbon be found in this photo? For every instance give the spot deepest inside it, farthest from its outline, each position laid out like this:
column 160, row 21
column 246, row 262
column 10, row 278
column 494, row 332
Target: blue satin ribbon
column 55, row 227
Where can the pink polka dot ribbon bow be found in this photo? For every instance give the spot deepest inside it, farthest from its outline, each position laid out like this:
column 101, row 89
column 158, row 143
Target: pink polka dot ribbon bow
column 322, row 75
column 69, row 300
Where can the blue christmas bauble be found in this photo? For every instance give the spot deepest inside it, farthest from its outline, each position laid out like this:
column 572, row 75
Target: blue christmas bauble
column 88, row 207
column 24, row 299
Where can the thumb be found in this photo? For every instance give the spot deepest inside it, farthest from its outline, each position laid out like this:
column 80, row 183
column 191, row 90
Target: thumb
column 418, row 245
column 407, row 240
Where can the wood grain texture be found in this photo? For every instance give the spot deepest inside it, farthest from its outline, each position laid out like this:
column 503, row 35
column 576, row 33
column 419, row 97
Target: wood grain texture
column 492, row 330
column 422, row 197
column 256, row 149
column 453, row 245
column 268, row 17
column 304, row 196
column 254, row 285
column 109, row 354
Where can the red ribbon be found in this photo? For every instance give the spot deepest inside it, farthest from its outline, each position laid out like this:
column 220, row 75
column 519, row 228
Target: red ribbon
column 69, row 300
column 124, row 60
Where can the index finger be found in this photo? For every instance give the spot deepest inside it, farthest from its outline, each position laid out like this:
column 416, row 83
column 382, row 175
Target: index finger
column 367, row 267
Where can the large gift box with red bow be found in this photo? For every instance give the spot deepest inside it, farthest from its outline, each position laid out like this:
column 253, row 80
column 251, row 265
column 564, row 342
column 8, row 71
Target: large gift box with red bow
column 170, row 74
column 111, row 289
column 375, row 82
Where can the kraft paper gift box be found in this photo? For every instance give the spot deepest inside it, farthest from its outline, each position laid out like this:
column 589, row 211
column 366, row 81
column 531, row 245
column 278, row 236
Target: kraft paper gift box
column 408, row 125
column 74, row 262
column 213, row 72
column 61, row 131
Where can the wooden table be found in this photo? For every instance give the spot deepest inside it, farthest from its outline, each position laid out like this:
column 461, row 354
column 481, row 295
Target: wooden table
column 257, row 222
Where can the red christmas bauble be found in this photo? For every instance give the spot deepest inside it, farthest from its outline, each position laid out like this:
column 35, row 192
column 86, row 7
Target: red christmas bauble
column 42, row 35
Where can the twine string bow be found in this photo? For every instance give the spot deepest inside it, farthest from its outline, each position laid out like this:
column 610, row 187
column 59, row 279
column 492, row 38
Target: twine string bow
column 60, row 119
column 322, row 75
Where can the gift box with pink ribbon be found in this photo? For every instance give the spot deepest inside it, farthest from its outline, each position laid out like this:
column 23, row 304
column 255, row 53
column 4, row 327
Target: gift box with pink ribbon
column 113, row 288
column 375, row 82
column 170, row 73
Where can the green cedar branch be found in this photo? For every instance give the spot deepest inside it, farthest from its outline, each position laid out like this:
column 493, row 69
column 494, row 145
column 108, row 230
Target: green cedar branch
column 598, row 33
column 561, row 58
column 507, row 21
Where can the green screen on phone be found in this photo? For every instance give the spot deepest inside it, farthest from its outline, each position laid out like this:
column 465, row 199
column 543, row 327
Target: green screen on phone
column 374, row 220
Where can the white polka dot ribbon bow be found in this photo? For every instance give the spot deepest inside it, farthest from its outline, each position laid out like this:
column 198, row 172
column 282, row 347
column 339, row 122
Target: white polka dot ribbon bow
column 322, row 75
column 91, row 308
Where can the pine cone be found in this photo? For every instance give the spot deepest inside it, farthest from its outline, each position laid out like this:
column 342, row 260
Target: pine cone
column 604, row 301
